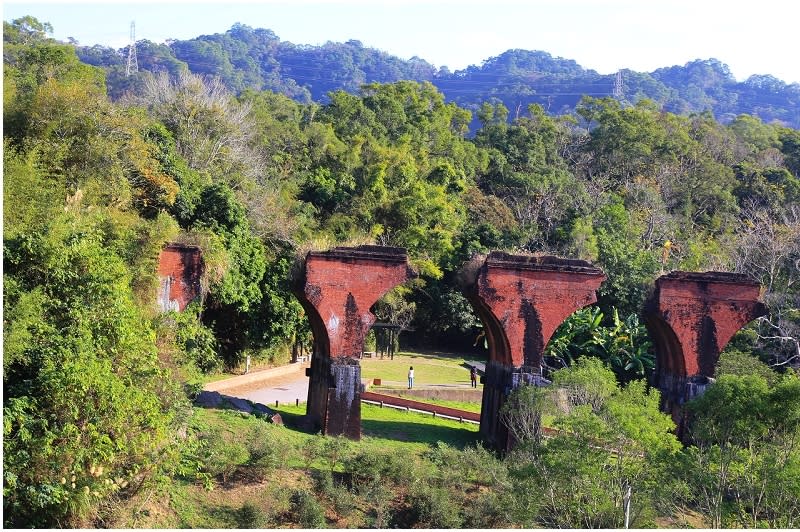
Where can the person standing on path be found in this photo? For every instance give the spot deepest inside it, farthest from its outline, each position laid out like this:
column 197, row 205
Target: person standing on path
column 410, row 377
column 473, row 376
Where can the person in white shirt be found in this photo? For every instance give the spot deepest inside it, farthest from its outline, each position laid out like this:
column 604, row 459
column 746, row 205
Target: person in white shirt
column 410, row 377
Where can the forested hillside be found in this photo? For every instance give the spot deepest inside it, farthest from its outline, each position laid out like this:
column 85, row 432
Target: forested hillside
column 244, row 57
column 96, row 380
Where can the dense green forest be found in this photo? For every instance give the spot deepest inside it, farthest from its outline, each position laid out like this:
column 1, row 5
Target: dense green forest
column 247, row 58
column 101, row 170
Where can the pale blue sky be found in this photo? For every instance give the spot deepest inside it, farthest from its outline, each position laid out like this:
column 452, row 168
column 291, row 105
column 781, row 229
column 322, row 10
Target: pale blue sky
column 605, row 35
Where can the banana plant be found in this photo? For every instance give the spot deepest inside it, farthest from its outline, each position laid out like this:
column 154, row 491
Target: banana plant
column 622, row 344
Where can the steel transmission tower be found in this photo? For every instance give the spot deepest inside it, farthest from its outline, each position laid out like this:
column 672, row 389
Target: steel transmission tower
column 618, row 85
column 133, row 63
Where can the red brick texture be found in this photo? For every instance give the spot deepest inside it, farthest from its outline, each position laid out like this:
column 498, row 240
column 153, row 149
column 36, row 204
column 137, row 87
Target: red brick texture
column 342, row 284
column 691, row 317
column 526, row 299
column 521, row 301
column 180, row 268
column 337, row 289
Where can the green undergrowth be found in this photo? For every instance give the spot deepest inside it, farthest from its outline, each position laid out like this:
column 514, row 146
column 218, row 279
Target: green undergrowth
column 248, row 473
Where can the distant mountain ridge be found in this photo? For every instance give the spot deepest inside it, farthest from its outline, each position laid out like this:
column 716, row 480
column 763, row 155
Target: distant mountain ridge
column 247, row 58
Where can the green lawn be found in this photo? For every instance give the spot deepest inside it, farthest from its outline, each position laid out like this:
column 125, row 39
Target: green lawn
column 429, row 369
column 408, row 432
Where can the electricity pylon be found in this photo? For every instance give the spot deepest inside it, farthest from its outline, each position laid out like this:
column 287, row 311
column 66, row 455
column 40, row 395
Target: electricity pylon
column 618, row 85
column 133, row 63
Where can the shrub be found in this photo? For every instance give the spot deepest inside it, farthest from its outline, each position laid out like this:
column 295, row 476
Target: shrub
column 344, row 501
column 435, row 508
column 378, row 494
column 372, row 465
column 334, row 449
column 197, row 341
column 323, row 481
column 87, row 407
column 484, row 467
column 265, row 454
column 307, row 510
column 222, row 458
column 251, row 516
column 487, row 510
column 451, row 469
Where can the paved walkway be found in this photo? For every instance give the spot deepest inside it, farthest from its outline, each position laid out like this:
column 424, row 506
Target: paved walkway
column 285, row 389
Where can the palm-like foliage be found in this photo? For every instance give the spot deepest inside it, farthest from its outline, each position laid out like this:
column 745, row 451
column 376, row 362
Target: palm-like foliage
column 623, row 344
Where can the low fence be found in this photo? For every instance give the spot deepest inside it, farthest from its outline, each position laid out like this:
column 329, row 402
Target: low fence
column 444, row 411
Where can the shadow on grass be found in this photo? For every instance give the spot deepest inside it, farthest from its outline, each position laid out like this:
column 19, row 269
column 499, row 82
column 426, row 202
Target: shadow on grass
column 295, row 421
column 439, row 354
column 480, row 367
column 411, row 431
column 420, row 428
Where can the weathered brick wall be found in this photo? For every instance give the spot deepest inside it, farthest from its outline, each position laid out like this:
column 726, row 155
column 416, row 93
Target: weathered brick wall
column 343, row 283
column 337, row 290
column 343, row 412
column 691, row 317
column 180, row 268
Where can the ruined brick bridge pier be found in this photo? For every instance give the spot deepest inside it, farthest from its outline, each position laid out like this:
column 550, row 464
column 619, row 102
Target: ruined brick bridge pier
column 691, row 317
column 337, row 288
column 521, row 301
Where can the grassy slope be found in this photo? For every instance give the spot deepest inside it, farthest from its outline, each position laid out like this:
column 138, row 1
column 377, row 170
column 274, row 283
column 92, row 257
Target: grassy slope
column 187, row 504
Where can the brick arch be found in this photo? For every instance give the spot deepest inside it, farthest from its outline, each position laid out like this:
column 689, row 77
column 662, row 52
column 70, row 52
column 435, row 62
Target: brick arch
column 337, row 288
column 667, row 344
column 521, row 301
column 496, row 339
column 691, row 317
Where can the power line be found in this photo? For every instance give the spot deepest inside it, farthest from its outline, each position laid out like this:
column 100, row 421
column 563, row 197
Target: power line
column 133, row 63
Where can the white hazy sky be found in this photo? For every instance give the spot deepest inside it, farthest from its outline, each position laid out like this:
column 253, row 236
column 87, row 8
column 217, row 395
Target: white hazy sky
column 604, row 35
